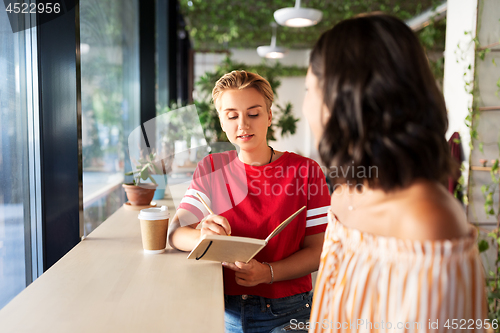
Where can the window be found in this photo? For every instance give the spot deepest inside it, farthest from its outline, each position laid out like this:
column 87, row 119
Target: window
column 110, row 101
column 15, row 242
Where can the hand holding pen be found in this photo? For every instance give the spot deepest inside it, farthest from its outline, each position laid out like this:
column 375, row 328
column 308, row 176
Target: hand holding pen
column 214, row 224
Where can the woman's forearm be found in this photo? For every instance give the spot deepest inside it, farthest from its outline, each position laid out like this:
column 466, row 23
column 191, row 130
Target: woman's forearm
column 302, row 262
column 182, row 238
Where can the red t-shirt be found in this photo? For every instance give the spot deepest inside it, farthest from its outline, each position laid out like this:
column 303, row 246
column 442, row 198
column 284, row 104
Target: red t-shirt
column 255, row 200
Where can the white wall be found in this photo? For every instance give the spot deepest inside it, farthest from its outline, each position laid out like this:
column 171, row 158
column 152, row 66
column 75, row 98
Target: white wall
column 460, row 17
column 463, row 15
column 488, row 122
column 205, row 62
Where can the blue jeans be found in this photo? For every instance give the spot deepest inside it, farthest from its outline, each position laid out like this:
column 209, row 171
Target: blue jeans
column 255, row 314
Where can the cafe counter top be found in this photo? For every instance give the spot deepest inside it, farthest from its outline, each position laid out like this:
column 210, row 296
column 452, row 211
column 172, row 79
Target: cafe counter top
column 108, row 284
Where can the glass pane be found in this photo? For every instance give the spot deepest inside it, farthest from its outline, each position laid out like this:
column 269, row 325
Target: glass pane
column 14, row 182
column 110, row 101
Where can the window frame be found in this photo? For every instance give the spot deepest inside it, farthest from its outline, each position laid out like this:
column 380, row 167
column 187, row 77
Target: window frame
column 59, row 112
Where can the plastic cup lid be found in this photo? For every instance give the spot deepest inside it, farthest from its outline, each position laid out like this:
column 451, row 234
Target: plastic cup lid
column 154, row 213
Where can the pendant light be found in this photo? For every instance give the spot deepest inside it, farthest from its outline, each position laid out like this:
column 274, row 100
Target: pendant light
column 297, row 16
column 272, row 51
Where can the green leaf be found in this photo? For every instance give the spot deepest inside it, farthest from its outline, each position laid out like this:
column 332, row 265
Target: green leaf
column 145, row 172
column 494, row 168
column 153, row 180
column 483, row 189
column 493, row 177
column 483, row 245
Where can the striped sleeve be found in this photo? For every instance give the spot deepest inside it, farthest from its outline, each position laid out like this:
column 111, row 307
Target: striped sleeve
column 318, row 201
column 199, row 185
column 316, row 216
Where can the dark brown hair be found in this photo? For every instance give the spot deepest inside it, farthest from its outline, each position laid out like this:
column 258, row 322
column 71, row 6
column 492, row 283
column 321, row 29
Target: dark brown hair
column 386, row 111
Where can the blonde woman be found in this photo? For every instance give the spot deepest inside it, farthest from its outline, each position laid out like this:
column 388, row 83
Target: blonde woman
column 251, row 192
column 399, row 254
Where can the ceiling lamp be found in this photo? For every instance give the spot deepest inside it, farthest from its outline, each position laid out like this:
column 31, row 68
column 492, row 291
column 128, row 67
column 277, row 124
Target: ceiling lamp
column 297, row 17
column 272, row 51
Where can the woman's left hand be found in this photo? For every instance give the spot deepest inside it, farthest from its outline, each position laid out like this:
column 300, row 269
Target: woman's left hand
column 251, row 274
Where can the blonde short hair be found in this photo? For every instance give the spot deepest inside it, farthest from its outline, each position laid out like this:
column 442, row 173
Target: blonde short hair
column 243, row 80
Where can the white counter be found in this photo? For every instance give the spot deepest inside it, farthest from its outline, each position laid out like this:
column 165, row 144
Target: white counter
column 107, row 284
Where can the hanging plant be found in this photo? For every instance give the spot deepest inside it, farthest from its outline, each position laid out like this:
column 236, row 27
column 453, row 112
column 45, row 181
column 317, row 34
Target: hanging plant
column 222, row 24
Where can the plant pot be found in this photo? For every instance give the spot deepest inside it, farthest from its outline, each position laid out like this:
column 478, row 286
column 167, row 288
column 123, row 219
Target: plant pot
column 161, row 180
column 140, row 195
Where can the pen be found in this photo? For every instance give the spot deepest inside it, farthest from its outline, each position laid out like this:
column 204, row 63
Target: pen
column 205, row 204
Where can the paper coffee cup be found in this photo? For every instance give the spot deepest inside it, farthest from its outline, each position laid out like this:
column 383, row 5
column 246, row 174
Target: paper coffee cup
column 154, row 225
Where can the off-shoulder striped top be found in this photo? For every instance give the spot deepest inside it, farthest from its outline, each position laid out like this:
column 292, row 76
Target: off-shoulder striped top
column 370, row 283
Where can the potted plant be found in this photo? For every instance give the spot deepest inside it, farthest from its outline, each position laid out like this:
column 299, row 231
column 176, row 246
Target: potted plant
column 139, row 193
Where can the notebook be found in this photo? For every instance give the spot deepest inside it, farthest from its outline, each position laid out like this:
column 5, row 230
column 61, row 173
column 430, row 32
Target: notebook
column 234, row 248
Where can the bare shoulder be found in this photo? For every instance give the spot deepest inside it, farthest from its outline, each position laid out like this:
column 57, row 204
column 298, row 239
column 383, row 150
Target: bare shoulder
column 429, row 212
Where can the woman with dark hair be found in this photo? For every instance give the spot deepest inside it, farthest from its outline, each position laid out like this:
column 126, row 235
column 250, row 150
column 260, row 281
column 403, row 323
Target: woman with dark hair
column 398, row 250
